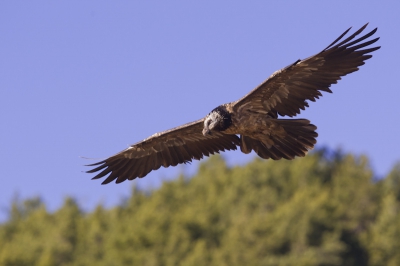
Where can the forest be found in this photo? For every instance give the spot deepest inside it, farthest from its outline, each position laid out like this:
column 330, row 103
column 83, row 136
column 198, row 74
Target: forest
column 327, row 208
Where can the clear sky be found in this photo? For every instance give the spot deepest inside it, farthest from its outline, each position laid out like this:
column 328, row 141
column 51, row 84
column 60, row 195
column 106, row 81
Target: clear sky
column 88, row 78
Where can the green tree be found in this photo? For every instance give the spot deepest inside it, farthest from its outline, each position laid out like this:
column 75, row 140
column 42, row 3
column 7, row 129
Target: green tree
column 383, row 237
column 324, row 209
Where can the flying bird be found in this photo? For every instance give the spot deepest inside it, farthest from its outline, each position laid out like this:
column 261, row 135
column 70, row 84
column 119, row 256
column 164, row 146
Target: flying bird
column 251, row 123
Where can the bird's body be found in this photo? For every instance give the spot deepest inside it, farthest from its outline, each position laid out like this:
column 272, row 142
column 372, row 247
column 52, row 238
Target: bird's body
column 257, row 125
column 252, row 122
column 267, row 136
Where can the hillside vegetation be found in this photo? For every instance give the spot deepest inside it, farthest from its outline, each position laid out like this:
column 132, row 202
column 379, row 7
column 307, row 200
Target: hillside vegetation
column 324, row 209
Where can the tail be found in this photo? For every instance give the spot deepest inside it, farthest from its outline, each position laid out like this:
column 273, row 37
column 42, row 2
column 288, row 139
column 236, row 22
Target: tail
column 296, row 139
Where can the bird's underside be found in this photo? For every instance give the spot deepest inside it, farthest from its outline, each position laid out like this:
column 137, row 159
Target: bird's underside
column 272, row 138
column 252, row 123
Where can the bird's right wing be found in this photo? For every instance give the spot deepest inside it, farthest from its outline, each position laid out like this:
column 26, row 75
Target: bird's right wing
column 287, row 90
column 175, row 146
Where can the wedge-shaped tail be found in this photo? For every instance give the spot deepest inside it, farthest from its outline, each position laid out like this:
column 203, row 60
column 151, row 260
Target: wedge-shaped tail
column 298, row 139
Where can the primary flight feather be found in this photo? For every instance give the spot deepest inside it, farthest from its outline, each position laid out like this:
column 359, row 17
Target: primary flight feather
column 252, row 122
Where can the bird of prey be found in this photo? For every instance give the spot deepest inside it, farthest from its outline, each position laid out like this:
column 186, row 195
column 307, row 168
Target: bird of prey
column 252, row 123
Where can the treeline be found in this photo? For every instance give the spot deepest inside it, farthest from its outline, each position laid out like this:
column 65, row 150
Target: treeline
column 324, row 209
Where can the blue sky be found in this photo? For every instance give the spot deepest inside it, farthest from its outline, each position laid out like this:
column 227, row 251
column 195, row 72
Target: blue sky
column 88, row 78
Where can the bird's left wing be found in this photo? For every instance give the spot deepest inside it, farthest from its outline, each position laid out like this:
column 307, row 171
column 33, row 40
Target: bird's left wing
column 178, row 145
column 285, row 92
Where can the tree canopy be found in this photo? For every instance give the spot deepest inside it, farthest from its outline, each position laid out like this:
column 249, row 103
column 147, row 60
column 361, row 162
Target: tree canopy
column 324, row 209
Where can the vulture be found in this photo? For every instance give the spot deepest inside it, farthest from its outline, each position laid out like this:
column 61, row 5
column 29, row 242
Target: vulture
column 251, row 123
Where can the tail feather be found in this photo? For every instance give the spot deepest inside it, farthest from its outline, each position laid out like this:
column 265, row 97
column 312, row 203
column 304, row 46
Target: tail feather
column 298, row 139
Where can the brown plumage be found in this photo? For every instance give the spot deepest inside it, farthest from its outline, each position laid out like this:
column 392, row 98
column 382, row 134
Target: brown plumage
column 254, row 117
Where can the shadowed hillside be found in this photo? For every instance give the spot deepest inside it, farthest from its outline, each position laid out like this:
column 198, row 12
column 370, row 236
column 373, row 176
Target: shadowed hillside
column 324, row 209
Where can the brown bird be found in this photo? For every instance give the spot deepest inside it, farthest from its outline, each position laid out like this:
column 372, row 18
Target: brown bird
column 252, row 122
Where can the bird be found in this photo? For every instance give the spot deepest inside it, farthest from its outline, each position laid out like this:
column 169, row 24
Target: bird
column 252, row 123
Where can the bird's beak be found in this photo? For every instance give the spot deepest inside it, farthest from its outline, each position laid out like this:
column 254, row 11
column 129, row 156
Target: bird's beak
column 206, row 132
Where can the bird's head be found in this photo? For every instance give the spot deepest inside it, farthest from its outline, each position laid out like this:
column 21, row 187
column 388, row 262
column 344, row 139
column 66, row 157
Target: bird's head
column 218, row 120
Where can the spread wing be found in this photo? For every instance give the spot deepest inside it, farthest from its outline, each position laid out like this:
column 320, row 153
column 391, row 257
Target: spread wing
column 178, row 145
column 285, row 92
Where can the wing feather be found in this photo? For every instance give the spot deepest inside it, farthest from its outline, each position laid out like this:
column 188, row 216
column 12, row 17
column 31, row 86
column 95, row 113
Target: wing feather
column 287, row 90
column 144, row 166
column 169, row 148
